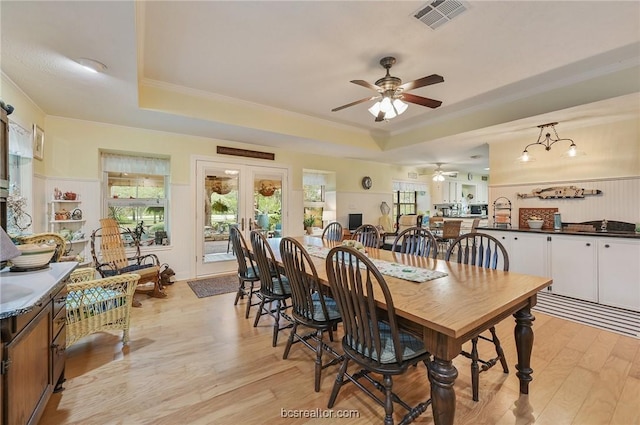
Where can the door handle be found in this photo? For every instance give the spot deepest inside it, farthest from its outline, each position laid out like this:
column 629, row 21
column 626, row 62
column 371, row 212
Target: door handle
column 250, row 224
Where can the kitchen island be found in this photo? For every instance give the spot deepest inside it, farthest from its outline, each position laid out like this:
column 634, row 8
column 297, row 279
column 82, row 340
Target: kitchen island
column 32, row 355
column 597, row 266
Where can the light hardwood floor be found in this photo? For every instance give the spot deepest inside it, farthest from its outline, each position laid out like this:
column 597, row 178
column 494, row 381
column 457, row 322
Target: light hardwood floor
column 199, row 361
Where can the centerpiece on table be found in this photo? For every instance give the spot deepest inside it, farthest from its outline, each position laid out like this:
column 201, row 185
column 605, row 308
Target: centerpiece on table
column 357, row 245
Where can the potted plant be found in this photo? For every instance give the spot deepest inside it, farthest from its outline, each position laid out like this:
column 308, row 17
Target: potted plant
column 308, row 224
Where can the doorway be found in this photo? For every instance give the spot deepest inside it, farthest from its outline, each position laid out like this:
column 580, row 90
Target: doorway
column 250, row 197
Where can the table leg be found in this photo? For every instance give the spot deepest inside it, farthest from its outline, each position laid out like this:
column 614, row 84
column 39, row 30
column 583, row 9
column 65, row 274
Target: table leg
column 524, row 344
column 442, row 375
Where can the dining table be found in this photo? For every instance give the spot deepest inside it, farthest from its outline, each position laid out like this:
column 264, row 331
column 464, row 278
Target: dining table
column 447, row 304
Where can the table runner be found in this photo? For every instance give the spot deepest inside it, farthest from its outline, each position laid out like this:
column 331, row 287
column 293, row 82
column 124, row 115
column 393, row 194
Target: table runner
column 401, row 271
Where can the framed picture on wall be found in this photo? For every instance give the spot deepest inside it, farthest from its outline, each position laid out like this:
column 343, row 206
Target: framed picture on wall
column 38, row 142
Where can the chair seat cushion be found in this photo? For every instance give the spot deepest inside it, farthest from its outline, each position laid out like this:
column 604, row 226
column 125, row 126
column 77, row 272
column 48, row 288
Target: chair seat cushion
column 332, row 308
column 251, row 275
column 93, row 301
column 413, row 347
column 284, row 289
column 134, row 268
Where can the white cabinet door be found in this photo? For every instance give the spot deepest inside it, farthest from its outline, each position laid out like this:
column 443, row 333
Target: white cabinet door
column 529, row 254
column 455, row 192
column 482, row 193
column 574, row 268
column 619, row 273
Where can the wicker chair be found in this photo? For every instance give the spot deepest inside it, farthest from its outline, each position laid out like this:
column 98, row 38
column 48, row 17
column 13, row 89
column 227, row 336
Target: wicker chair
column 46, row 238
column 482, row 250
column 111, row 259
column 368, row 235
column 96, row 305
column 416, row 241
column 371, row 340
column 311, row 308
column 333, row 232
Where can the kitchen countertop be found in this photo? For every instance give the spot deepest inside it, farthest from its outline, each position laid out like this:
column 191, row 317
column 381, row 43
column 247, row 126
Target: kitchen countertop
column 608, row 234
column 20, row 292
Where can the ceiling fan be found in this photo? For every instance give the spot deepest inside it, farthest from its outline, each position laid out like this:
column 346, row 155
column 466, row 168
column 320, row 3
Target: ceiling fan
column 439, row 174
column 392, row 93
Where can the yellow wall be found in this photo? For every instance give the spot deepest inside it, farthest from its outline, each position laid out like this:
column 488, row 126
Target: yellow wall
column 611, row 150
column 72, row 151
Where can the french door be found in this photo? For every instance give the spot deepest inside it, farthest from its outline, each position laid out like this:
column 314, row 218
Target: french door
column 230, row 194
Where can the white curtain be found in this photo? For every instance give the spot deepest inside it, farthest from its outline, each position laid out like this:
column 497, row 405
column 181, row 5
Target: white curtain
column 135, row 164
column 401, row 186
column 315, row 179
column 20, row 141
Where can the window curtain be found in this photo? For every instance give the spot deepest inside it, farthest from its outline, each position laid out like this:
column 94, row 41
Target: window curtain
column 135, row 164
column 401, row 186
column 20, row 141
column 314, row 179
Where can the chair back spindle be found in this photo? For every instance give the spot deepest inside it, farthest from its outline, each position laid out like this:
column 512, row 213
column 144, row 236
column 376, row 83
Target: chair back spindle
column 368, row 235
column 333, row 232
column 416, row 241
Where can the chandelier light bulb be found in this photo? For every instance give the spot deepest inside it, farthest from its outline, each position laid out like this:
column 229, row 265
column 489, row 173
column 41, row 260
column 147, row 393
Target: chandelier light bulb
column 525, row 156
column 572, row 150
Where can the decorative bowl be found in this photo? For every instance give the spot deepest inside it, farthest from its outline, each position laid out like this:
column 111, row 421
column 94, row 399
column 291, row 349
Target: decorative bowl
column 33, row 255
column 535, row 224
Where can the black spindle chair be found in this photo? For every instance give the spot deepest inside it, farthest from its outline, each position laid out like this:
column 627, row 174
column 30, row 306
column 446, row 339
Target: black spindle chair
column 481, row 250
column 333, row 232
column 416, row 241
column 248, row 275
column 310, row 306
column 371, row 339
column 273, row 289
column 368, row 235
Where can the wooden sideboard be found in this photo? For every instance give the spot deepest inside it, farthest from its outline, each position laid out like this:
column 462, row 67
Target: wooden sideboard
column 33, row 353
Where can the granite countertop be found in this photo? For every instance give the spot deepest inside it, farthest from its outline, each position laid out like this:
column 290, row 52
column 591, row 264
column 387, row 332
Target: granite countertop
column 608, row 234
column 20, row 292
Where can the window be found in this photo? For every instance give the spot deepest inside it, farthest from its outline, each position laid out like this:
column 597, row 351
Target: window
column 136, row 192
column 313, row 192
column 19, row 208
column 404, row 203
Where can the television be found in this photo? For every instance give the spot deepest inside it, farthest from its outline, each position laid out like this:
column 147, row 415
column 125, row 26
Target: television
column 355, row 221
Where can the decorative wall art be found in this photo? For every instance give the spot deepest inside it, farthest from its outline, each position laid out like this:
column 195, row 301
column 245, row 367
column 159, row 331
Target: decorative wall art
column 559, row 192
column 38, row 142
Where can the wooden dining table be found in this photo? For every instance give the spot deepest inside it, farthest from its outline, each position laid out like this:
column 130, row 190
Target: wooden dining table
column 448, row 311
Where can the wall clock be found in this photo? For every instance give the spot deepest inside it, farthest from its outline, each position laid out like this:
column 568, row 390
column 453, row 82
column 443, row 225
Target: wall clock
column 469, row 176
column 367, row 182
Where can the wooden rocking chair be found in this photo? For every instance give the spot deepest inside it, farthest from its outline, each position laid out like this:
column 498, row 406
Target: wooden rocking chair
column 111, row 259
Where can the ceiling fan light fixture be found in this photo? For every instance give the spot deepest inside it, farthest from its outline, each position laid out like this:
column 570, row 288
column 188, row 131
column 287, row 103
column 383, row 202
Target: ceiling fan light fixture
column 400, row 106
column 375, row 109
column 438, row 177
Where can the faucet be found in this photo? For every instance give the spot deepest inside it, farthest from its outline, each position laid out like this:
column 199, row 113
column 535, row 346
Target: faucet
column 603, row 226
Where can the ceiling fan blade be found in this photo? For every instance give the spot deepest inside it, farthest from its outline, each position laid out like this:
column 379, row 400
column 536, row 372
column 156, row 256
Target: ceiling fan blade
column 367, row 84
column 366, row 99
column 419, row 100
column 421, row 82
column 380, row 116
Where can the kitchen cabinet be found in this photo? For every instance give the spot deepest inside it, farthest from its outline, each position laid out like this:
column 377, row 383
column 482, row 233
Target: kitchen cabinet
column 446, row 192
column 482, row 193
column 619, row 273
column 574, row 267
column 33, row 354
column 528, row 253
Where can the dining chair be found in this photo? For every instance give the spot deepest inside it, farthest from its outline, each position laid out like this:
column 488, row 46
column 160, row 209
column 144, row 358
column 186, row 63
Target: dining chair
column 475, row 224
column 450, row 231
column 333, row 232
column 311, row 308
column 368, row 235
column 371, row 340
column 416, row 241
column 273, row 288
column 248, row 275
column 481, row 250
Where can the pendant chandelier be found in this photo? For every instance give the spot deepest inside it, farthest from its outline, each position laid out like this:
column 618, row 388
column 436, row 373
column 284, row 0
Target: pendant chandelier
column 547, row 142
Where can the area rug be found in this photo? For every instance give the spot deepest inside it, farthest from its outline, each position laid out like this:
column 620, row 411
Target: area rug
column 216, row 285
column 621, row 321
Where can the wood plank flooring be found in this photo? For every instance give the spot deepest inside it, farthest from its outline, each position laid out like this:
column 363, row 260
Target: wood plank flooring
column 199, row 361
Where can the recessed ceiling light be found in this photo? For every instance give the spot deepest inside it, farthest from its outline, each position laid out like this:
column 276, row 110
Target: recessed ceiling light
column 486, row 169
column 475, row 156
column 92, row 65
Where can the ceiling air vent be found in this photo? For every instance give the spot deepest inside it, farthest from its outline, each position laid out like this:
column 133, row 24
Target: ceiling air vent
column 440, row 12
